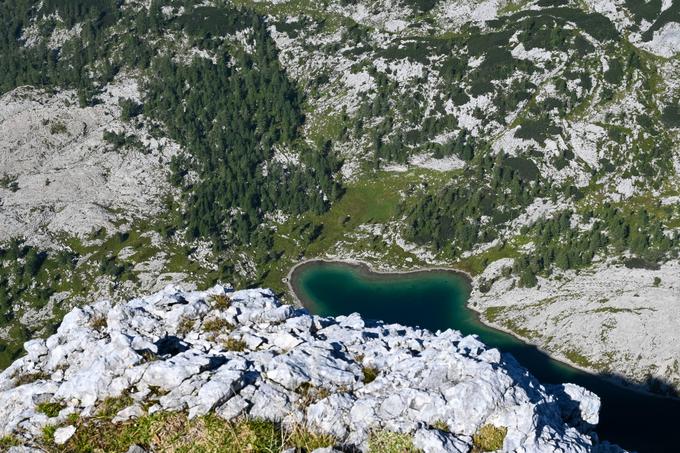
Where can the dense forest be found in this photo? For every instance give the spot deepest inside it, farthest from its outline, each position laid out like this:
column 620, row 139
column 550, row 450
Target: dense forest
column 230, row 116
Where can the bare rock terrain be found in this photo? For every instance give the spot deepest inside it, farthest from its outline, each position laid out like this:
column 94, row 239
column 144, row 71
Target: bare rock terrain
column 613, row 319
column 58, row 173
column 165, row 352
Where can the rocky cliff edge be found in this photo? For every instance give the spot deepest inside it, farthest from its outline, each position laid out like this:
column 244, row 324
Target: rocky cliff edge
column 242, row 354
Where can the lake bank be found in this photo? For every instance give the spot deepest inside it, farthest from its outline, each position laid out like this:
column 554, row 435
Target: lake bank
column 627, row 414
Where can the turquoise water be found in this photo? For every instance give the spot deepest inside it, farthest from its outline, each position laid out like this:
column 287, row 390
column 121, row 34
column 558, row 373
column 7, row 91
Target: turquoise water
column 436, row 300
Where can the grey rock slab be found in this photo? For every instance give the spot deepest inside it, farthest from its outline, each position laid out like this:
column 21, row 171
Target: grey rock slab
column 135, row 449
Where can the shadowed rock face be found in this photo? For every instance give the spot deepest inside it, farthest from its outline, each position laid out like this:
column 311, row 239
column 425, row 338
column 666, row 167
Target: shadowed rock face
column 261, row 359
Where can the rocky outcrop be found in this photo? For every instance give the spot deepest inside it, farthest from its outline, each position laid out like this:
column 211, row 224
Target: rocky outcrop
column 242, row 353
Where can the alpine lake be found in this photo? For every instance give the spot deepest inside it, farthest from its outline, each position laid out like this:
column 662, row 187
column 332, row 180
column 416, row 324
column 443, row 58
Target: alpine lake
column 436, row 300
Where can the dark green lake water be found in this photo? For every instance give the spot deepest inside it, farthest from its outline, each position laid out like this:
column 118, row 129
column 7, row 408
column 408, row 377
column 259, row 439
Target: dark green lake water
column 436, row 300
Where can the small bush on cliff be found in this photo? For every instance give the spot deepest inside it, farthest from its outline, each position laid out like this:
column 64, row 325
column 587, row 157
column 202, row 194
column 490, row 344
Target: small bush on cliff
column 232, row 344
column 98, row 322
column 216, row 325
column 173, row 431
column 441, row 425
column 185, row 326
column 29, row 378
column 8, row 441
column 58, row 128
column 489, row 438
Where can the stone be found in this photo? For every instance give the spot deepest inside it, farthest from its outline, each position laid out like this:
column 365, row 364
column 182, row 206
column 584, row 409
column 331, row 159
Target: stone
column 135, row 449
column 221, row 386
column 435, row 441
column 62, row 435
column 234, row 407
column 130, row 412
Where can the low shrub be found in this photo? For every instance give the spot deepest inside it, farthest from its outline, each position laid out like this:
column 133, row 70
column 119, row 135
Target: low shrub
column 489, row 438
column 370, row 373
column 390, row 442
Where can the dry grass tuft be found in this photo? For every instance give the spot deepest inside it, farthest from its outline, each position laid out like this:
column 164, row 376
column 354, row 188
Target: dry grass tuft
column 6, row 442
column 232, row 344
column 50, row 409
column 98, row 322
column 217, row 325
column 220, row 301
column 185, row 326
column 441, row 425
column 29, row 378
column 310, row 394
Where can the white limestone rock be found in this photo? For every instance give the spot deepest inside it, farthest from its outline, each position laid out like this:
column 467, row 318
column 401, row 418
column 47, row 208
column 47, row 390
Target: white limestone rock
column 434, row 441
column 302, row 370
column 62, row 435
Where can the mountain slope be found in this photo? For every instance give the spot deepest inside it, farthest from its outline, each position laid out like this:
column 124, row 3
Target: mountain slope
column 531, row 143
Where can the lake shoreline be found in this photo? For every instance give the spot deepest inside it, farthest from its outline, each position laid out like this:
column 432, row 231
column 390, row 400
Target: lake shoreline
column 367, row 269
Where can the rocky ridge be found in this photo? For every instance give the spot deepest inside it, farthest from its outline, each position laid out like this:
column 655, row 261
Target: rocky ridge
column 241, row 353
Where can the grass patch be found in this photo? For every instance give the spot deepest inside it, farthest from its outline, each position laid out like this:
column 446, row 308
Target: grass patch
column 489, row 438
column 220, row 301
column 111, row 406
column 390, row 442
column 216, row 325
column 29, row 378
column 58, row 127
column 8, row 441
column 98, row 322
column 578, row 358
column 441, row 425
column 174, row 432
column 49, row 409
column 493, row 313
column 185, row 326
column 476, row 264
column 517, row 328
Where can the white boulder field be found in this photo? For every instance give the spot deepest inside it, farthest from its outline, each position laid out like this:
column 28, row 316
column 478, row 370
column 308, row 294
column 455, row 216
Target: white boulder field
column 241, row 353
